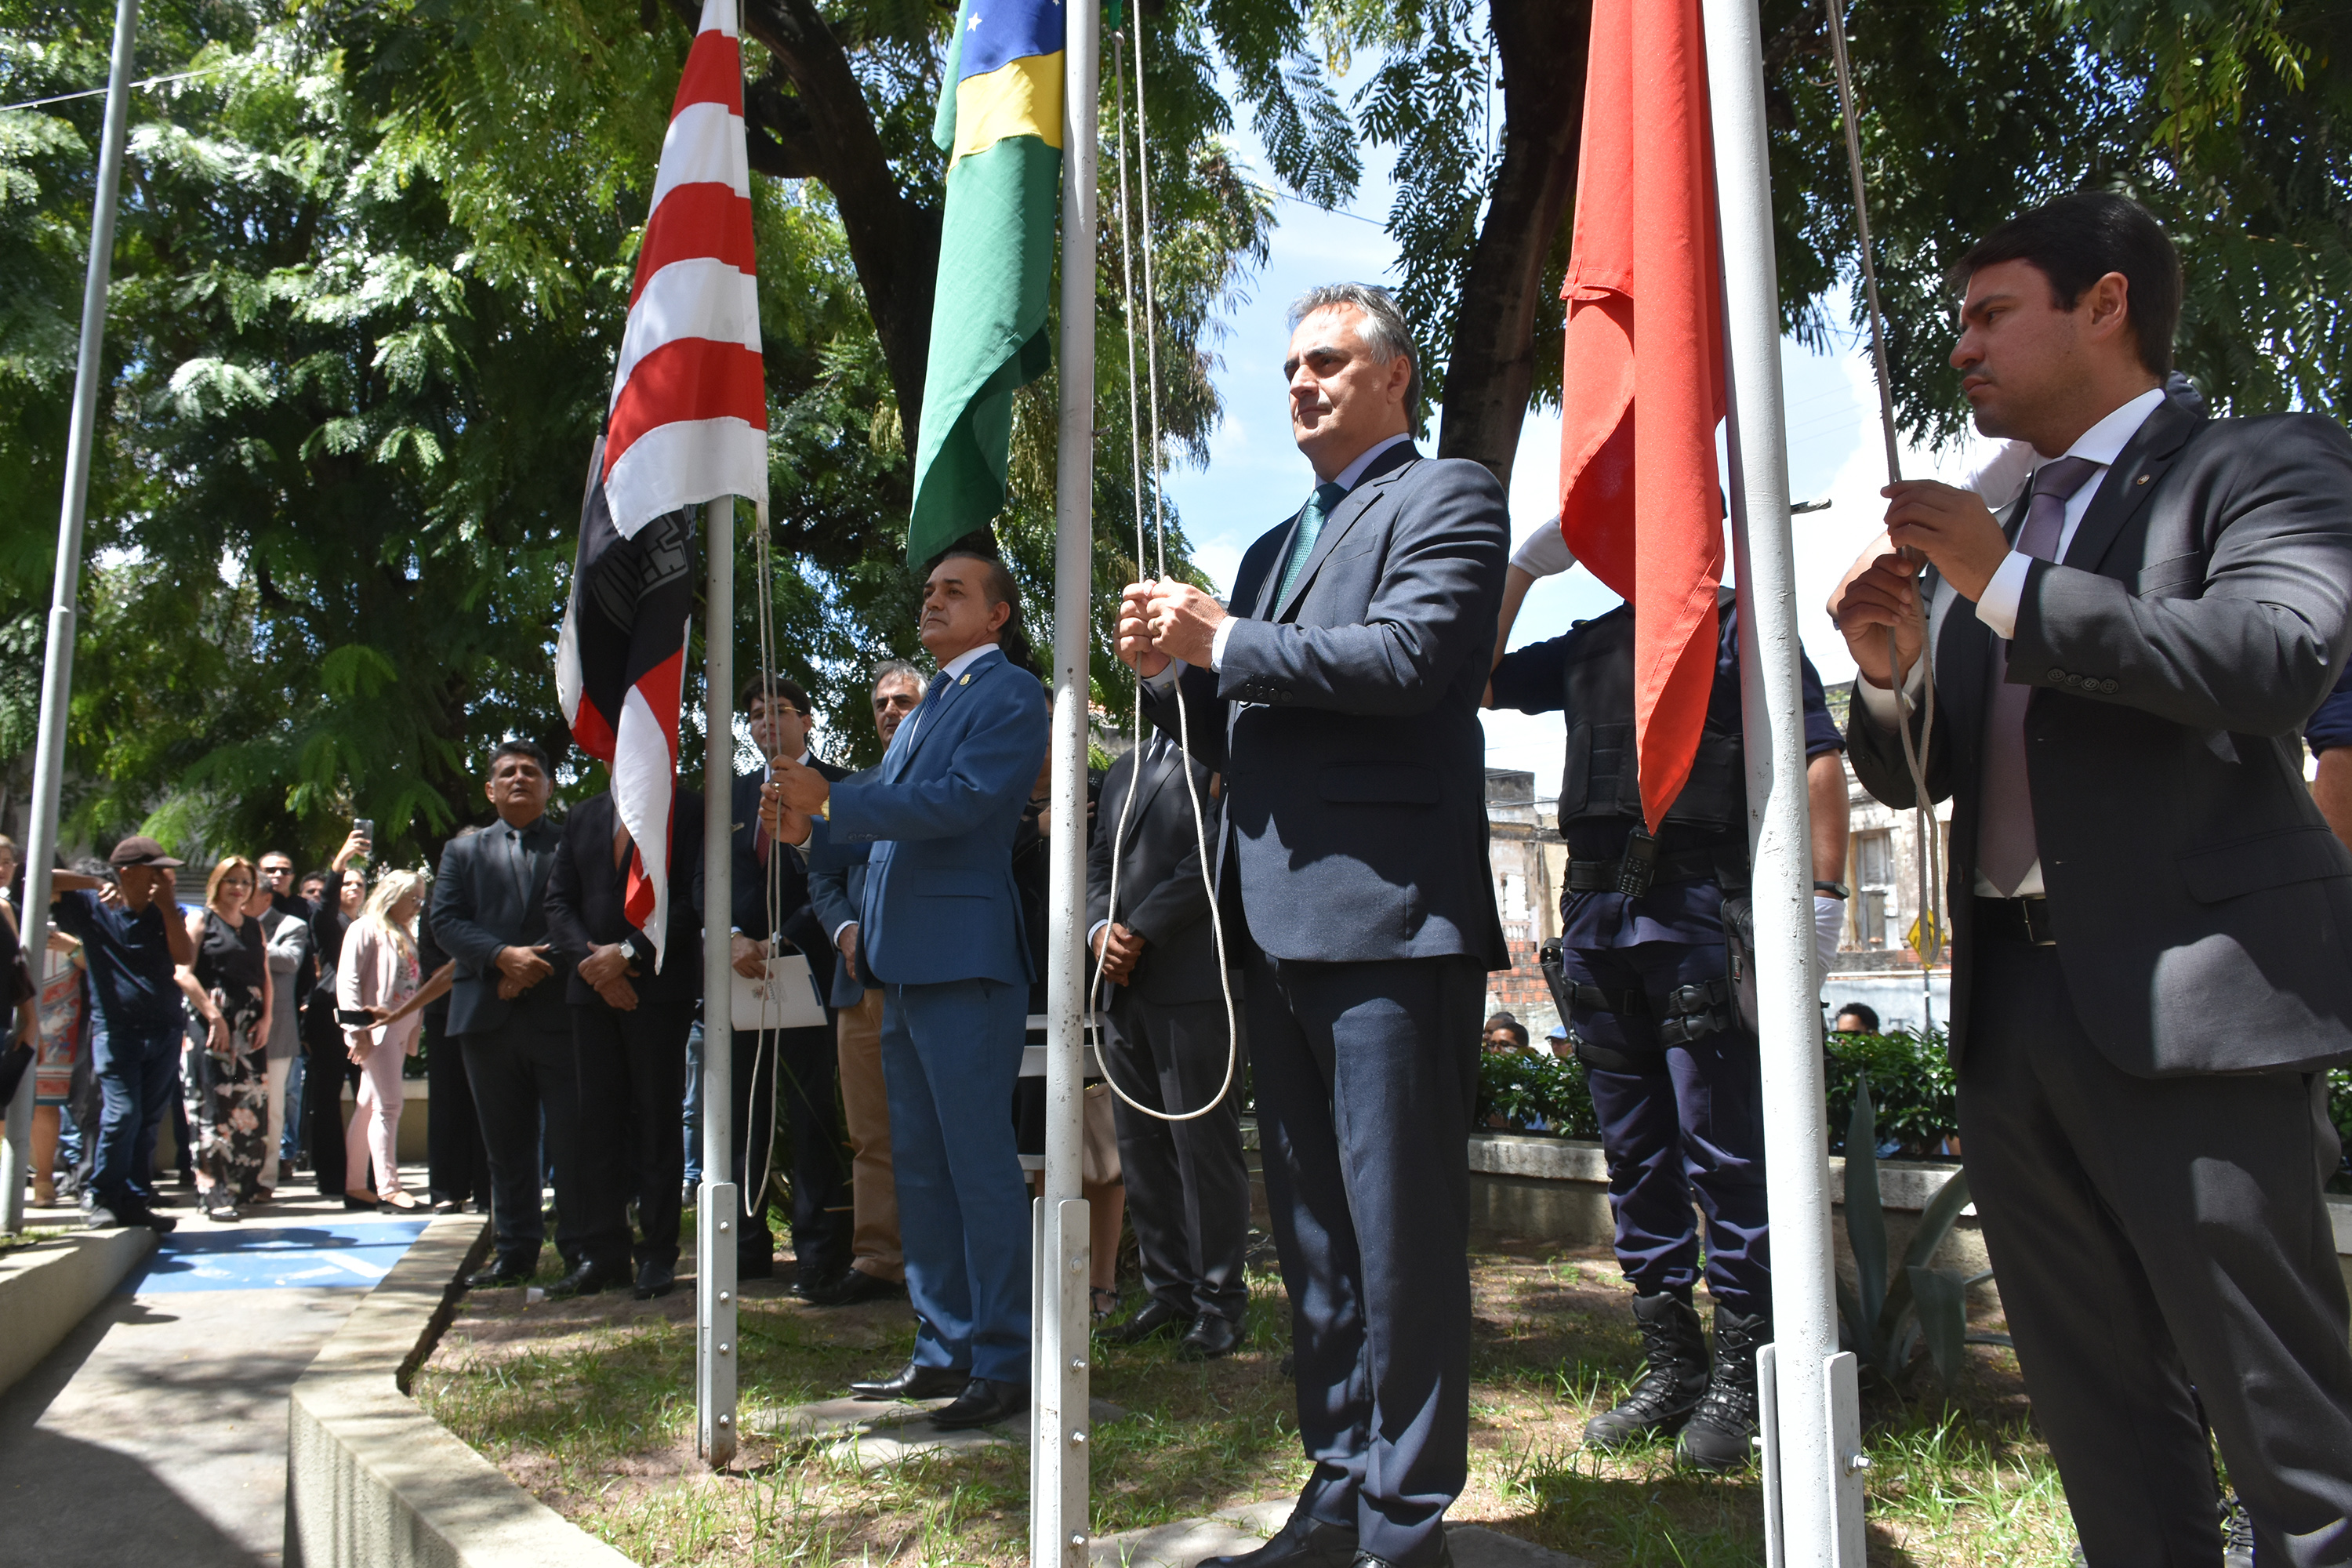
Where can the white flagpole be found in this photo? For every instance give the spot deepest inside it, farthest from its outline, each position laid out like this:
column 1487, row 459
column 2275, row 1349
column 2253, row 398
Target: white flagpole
column 721, row 1209
column 56, row 673
column 1060, row 1322
column 1809, row 1409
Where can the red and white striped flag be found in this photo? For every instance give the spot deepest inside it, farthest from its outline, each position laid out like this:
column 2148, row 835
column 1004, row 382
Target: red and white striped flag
column 689, row 419
column 688, row 423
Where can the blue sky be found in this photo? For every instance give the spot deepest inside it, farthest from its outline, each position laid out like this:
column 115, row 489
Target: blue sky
column 1255, row 478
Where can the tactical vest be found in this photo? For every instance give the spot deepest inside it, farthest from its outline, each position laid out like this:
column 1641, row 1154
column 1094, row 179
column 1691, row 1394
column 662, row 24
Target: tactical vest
column 1601, row 783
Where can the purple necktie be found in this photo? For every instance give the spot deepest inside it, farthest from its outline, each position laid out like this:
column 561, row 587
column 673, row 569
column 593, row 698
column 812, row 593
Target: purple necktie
column 2005, row 846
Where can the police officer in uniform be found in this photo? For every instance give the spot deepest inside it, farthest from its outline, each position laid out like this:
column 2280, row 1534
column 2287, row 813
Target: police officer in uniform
column 1646, row 988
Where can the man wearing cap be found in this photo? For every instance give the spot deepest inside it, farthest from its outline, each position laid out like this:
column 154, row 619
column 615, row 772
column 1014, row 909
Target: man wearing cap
column 132, row 947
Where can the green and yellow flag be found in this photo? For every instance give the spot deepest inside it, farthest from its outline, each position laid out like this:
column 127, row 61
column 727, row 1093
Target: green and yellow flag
column 1000, row 119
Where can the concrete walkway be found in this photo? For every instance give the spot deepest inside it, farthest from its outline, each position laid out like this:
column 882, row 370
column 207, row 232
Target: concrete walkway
column 157, row 1430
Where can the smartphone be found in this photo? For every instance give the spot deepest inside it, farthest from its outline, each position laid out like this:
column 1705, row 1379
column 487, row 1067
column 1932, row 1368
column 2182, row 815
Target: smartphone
column 365, row 827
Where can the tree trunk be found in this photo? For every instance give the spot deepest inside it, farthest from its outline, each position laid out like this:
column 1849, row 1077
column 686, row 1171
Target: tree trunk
column 1542, row 45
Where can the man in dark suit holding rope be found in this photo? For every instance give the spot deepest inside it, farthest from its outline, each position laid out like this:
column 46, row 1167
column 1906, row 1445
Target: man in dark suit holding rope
column 1340, row 699
column 2152, row 923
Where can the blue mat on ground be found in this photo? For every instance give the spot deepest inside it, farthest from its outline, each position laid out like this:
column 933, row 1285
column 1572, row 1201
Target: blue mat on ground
column 319, row 1257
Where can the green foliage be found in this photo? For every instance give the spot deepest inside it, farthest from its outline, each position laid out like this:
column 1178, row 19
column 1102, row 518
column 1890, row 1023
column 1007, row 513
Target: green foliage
column 1887, row 1317
column 372, row 274
column 1910, row 1075
column 1524, row 1089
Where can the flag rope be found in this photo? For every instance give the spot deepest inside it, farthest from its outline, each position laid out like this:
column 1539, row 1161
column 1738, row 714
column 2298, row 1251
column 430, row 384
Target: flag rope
column 1159, row 546
column 1928, row 856
column 766, row 1043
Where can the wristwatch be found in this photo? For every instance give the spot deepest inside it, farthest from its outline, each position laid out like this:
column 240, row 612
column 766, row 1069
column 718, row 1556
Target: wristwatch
column 628, row 945
column 1834, row 889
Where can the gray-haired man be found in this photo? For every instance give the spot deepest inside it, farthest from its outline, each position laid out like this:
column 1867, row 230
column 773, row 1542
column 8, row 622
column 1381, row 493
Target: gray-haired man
column 1340, row 699
column 877, row 1266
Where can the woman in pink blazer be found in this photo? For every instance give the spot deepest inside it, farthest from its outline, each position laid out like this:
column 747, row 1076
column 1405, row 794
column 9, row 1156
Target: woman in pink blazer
column 379, row 969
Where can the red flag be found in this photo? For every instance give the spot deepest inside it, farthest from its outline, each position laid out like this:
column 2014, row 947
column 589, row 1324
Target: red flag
column 687, row 423
column 1640, row 500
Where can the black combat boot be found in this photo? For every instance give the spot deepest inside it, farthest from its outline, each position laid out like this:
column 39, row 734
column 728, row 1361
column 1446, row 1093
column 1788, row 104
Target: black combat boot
column 1674, row 1346
column 1721, row 1435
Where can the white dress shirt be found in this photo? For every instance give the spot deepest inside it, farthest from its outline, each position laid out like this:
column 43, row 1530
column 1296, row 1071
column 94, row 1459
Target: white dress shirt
column 2103, row 443
column 1346, row 479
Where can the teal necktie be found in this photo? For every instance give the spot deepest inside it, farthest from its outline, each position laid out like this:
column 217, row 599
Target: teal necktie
column 1311, row 518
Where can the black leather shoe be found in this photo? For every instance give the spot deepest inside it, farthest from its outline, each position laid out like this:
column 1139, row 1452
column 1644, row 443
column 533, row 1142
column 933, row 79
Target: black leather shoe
column 1301, row 1542
column 809, row 1283
column 1444, row 1558
column 503, row 1272
column 1149, row 1322
column 912, row 1381
column 586, row 1279
column 985, row 1401
column 853, row 1286
column 1209, row 1337
column 656, row 1280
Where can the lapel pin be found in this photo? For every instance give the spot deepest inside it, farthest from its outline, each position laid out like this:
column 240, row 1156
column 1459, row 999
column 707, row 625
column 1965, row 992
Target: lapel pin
column 964, row 679
column 2141, row 480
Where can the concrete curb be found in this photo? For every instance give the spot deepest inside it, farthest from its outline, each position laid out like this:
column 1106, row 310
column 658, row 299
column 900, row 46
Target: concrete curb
column 371, row 1481
column 48, row 1286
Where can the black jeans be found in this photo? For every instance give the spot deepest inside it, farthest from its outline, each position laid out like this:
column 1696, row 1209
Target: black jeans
column 325, row 1068
column 522, row 1078
column 632, row 1096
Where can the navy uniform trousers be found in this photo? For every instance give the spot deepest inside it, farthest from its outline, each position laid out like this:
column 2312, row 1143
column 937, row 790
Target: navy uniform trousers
column 1366, row 1075
column 1690, row 1121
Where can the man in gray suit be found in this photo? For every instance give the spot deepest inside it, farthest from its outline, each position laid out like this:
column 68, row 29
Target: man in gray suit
column 2152, row 923
column 1340, row 699
column 1171, row 1047
column 508, row 1015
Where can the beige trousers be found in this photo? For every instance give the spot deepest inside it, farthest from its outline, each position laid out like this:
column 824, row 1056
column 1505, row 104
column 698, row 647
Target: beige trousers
column 866, row 1109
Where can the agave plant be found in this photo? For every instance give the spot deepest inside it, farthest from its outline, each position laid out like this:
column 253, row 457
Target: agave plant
column 1886, row 1314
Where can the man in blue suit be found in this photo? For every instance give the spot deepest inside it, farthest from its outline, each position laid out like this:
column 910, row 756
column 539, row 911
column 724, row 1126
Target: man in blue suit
column 941, row 933
column 1340, row 699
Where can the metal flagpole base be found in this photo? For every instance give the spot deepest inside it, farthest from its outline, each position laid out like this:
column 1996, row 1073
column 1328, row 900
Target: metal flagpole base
column 1060, row 1422
column 1851, row 1469
column 714, row 1319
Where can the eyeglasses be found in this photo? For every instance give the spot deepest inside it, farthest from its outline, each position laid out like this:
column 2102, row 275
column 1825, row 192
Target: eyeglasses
column 278, row 873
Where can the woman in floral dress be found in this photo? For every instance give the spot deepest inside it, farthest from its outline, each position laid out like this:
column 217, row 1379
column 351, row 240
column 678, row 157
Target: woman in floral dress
column 226, row 1063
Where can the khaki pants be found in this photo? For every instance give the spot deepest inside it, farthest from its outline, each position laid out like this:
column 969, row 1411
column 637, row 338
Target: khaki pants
column 866, row 1109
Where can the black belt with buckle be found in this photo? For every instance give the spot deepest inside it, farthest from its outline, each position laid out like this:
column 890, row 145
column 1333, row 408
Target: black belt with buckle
column 2026, row 920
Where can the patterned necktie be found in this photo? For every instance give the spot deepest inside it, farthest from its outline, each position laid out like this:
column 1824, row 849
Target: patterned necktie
column 2006, row 849
column 1311, row 518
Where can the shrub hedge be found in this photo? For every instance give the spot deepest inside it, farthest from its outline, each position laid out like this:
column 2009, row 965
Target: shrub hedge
column 1911, row 1085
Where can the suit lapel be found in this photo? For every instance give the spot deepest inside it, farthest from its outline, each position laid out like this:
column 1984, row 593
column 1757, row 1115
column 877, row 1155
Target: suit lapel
column 1359, row 501
column 1148, row 785
column 2128, row 483
column 941, row 695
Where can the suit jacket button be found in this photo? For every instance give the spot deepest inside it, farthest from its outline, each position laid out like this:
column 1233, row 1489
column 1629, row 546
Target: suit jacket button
column 2056, row 675
column 2109, row 686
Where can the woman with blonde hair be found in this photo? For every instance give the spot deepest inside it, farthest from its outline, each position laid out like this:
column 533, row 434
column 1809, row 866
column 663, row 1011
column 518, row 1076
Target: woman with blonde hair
column 378, row 969
column 227, row 988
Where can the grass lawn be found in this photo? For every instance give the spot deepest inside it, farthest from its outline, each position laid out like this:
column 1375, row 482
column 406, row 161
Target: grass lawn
column 589, row 1405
